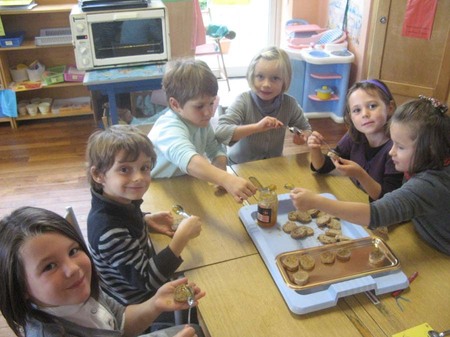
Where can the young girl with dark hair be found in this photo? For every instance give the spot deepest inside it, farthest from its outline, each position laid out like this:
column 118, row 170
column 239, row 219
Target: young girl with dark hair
column 420, row 132
column 49, row 286
column 363, row 151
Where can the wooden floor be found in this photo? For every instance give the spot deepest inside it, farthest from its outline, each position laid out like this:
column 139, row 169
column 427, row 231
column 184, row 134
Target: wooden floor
column 42, row 164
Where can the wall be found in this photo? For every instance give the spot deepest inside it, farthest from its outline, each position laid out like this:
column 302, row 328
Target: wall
column 181, row 23
column 312, row 11
column 329, row 13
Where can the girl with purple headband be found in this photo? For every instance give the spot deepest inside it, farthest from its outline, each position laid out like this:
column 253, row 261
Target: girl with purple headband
column 363, row 152
column 420, row 131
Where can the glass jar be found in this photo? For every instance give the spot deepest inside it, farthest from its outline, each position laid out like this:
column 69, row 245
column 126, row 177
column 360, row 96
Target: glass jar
column 267, row 206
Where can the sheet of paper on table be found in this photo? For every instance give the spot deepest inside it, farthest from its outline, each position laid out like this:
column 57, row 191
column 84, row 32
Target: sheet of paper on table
column 417, row 331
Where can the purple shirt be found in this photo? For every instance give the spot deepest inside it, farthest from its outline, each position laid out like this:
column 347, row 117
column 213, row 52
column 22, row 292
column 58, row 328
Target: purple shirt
column 375, row 161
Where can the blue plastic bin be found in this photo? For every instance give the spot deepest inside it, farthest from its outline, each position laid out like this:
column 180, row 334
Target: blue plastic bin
column 12, row 40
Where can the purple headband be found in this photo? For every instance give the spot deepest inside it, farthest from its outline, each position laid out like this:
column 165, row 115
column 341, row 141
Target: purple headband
column 379, row 85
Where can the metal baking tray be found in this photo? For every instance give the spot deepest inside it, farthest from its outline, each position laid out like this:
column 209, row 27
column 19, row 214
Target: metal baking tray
column 357, row 266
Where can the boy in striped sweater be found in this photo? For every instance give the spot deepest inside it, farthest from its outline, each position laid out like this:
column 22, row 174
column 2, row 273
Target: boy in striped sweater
column 119, row 161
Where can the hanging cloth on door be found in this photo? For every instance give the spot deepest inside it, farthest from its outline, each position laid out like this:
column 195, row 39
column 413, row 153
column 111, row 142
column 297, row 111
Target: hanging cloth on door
column 8, row 103
column 199, row 36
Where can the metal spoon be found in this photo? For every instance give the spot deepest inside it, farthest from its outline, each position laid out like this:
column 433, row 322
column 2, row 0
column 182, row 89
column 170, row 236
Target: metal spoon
column 295, row 129
column 256, row 182
column 190, row 301
column 178, row 209
column 433, row 333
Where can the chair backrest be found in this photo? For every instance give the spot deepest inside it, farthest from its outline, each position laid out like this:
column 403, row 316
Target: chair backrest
column 71, row 218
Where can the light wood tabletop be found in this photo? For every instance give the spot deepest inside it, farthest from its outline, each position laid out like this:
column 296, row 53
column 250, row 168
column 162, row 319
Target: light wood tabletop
column 222, row 238
column 295, row 170
column 242, row 298
column 427, row 298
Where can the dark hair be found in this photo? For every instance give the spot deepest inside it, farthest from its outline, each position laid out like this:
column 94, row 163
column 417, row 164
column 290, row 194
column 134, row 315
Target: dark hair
column 186, row 79
column 430, row 130
column 104, row 145
column 372, row 87
column 15, row 229
column 272, row 54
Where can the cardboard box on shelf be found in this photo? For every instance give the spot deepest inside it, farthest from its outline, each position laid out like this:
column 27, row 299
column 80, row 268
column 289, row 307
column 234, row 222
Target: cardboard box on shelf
column 80, row 104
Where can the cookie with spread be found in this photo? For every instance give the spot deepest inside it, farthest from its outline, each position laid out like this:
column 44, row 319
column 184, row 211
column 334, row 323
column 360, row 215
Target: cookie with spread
column 182, row 293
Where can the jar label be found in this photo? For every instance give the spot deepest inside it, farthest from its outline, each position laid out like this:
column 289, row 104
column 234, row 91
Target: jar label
column 264, row 214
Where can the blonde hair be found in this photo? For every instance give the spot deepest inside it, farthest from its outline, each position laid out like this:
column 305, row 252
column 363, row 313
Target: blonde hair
column 104, row 145
column 272, row 54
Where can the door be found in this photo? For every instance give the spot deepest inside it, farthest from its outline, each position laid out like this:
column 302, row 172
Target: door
column 409, row 66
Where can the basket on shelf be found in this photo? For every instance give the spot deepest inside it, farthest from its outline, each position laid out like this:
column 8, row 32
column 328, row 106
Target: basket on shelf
column 72, row 74
column 53, row 75
column 53, row 36
column 12, row 39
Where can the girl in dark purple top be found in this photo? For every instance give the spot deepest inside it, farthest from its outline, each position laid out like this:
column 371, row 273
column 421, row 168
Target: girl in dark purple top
column 363, row 151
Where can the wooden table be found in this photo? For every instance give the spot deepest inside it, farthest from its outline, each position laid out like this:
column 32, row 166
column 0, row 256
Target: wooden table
column 429, row 294
column 243, row 300
column 222, row 238
column 254, row 307
column 295, row 170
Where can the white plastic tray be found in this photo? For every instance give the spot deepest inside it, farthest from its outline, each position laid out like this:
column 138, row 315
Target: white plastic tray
column 53, row 36
column 273, row 241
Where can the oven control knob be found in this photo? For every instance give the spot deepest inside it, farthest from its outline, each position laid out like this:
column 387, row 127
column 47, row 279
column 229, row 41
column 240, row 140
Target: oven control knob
column 80, row 28
column 85, row 61
column 83, row 50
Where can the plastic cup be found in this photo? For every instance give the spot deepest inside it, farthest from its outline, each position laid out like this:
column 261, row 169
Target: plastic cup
column 32, row 109
column 44, row 107
column 22, row 109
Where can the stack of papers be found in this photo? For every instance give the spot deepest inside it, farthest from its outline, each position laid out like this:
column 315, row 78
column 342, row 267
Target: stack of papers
column 17, row 4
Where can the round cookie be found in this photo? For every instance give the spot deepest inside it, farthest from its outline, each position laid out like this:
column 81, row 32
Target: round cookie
column 182, row 293
column 327, row 257
column 307, row 262
column 376, row 257
column 313, row 212
column 290, row 262
column 292, row 215
column 325, row 239
column 334, row 224
column 309, row 230
column 303, row 217
column 300, row 277
column 323, row 220
column 299, row 233
column 333, row 232
column 343, row 254
column 289, row 226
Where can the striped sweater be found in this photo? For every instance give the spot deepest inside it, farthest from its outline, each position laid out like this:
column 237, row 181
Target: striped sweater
column 130, row 271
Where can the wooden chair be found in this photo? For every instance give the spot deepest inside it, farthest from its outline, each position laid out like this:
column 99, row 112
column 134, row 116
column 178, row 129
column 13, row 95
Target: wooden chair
column 72, row 219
